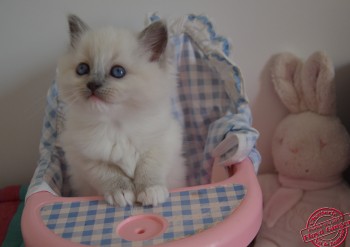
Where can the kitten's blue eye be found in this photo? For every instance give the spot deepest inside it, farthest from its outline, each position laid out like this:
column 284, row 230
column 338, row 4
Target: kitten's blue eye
column 82, row 69
column 118, row 71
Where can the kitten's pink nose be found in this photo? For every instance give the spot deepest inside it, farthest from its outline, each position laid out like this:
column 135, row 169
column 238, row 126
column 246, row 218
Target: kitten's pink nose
column 93, row 86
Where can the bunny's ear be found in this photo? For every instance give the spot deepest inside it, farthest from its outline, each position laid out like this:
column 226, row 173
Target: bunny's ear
column 285, row 73
column 318, row 84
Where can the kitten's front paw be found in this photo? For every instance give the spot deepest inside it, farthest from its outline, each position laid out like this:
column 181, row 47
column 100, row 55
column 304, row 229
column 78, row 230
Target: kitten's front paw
column 120, row 197
column 153, row 195
column 121, row 193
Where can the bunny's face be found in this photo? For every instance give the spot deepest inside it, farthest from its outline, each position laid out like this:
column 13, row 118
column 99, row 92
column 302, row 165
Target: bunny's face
column 310, row 146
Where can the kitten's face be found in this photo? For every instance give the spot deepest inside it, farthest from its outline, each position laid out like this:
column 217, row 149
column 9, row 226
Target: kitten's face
column 111, row 67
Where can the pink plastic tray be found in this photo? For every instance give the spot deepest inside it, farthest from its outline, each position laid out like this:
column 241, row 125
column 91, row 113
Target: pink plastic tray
column 238, row 228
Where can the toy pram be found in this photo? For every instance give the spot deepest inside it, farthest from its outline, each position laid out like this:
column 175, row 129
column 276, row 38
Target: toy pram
column 212, row 107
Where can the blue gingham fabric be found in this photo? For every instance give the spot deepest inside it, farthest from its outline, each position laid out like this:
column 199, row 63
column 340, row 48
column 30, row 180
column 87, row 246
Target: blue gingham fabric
column 189, row 212
column 210, row 103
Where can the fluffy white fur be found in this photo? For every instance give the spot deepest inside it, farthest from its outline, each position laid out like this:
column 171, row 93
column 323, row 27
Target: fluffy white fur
column 123, row 143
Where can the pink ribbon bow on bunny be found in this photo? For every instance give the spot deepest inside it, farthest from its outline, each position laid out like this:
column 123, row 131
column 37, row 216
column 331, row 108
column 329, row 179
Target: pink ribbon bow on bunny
column 289, row 194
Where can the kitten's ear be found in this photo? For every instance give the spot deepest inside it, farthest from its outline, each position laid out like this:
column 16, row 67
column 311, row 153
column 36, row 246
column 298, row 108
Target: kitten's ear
column 76, row 28
column 154, row 39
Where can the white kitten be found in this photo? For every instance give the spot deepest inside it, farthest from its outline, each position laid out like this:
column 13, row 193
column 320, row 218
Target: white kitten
column 120, row 138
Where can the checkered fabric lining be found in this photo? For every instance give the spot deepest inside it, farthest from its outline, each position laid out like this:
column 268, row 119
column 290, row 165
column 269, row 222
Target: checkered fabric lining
column 187, row 213
column 210, row 101
column 210, row 104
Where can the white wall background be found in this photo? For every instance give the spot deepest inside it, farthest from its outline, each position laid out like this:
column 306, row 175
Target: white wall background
column 33, row 33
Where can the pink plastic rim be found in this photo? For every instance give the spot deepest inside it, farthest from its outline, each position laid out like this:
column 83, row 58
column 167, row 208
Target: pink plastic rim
column 142, row 227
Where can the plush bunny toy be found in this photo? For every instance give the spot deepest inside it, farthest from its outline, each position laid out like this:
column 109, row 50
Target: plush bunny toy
column 310, row 149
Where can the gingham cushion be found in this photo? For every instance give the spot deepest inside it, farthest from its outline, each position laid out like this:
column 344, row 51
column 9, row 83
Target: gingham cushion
column 187, row 213
column 210, row 103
